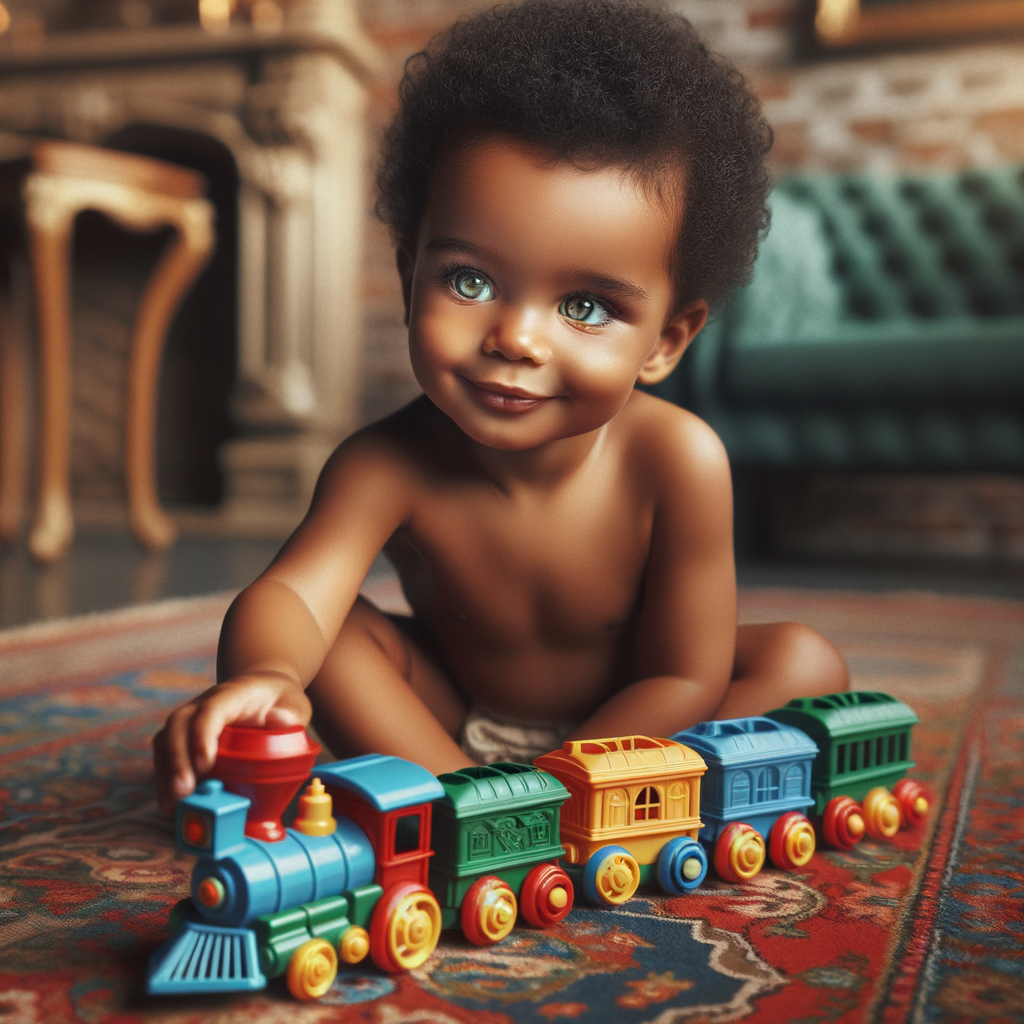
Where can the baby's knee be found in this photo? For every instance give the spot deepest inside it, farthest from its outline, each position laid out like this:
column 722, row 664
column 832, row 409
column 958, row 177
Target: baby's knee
column 816, row 666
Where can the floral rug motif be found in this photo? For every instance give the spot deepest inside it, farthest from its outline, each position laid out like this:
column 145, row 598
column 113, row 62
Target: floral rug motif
column 927, row 928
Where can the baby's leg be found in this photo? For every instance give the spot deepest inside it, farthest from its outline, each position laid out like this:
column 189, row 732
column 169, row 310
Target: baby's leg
column 778, row 661
column 380, row 690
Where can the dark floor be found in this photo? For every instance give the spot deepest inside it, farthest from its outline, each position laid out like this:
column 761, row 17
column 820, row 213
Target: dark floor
column 108, row 570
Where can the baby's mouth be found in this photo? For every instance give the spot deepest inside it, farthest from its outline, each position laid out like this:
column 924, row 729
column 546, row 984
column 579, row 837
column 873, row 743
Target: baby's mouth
column 504, row 397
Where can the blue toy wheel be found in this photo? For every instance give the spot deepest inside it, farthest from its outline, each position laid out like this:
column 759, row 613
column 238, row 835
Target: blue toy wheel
column 682, row 865
column 611, row 876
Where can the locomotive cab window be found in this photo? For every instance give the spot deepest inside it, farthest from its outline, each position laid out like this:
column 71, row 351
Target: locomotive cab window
column 648, row 804
column 407, row 833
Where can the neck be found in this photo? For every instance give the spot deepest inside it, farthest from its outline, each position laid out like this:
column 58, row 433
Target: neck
column 543, row 467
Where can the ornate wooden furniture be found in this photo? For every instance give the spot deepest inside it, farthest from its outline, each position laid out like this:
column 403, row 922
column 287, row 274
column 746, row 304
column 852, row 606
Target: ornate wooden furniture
column 140, row 194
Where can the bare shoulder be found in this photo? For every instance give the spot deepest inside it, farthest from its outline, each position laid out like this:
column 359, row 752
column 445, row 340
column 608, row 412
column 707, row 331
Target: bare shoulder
column 388, row 453
column 672, row 448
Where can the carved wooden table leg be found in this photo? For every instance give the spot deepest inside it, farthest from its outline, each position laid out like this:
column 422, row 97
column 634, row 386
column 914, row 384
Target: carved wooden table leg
column 50, row 244
column 141, row 195
column 176, row 272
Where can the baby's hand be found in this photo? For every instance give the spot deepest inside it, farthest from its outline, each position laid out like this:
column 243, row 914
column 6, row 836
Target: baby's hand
column 186, row 748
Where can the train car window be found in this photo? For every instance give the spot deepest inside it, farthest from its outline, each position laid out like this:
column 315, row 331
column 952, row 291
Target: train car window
column 647, row 806
column 740, row 790
column 867, row 753
column 892, row 747
column 407, row 833
column 794, row 784
column 840, row 758
column 854, row 748
column 879, row 751
column 903, row 746
column 768, row 785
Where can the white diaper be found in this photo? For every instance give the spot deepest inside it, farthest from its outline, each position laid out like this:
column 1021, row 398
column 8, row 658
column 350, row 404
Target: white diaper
column 488, row 737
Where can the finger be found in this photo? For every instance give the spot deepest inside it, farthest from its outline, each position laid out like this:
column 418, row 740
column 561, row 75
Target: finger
column 175, row 777
column 242, row 701
column 292, row 708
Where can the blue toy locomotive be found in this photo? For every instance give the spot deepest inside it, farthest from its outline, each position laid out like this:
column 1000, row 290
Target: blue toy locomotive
column 268, row 901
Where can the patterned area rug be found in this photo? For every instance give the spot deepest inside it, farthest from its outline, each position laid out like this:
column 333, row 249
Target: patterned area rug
column 927, row 928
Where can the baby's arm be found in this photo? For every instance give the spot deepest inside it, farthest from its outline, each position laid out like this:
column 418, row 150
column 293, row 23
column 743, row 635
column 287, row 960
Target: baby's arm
column 687, row 634
column 278, row 630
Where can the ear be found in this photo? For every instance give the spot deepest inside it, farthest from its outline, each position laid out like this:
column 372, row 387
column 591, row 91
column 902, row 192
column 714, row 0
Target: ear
column 676, row 335
column 406, row 266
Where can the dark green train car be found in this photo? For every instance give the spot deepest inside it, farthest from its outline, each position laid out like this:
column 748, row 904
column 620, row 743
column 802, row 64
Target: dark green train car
column 496, row 848
column 863, row 740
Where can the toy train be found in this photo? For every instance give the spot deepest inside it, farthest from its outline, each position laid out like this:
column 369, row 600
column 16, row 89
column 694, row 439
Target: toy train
column 380, row 879
column 409, row 854
column 735, row 792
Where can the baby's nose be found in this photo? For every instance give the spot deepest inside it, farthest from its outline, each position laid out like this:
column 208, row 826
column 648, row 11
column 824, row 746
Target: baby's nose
column 518, row 335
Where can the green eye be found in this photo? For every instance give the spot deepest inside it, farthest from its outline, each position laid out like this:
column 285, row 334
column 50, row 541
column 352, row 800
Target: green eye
column 584, row 310
column 468, row 284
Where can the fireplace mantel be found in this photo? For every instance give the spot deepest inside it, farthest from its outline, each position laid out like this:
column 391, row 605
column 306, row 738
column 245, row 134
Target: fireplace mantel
column 289, row 106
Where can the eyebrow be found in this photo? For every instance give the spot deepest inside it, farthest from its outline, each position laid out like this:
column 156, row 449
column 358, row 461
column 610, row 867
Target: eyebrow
column 590, row 280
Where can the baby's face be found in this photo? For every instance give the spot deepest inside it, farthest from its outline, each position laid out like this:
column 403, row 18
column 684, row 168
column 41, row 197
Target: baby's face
column 537, row 294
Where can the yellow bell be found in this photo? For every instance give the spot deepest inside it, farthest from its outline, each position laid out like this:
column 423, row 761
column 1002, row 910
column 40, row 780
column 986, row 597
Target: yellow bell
column 314, row 817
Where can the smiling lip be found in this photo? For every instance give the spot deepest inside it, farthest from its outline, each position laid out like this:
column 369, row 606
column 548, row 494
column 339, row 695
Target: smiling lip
column 504, row 398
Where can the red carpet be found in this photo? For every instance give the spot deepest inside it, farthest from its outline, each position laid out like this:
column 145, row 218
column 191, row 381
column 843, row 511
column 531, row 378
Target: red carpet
column 928, row 928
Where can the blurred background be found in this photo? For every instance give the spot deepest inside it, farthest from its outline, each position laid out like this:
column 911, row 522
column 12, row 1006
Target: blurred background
column 868, row 384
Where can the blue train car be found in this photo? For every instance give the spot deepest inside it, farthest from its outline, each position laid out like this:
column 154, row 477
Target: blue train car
column 755, row 793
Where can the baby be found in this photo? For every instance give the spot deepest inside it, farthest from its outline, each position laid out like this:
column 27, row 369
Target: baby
column 570, row 184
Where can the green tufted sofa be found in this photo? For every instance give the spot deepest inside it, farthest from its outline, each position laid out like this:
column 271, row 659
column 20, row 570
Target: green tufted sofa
column 883, row 329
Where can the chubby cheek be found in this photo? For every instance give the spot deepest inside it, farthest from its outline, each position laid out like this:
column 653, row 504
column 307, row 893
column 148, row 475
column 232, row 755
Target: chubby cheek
column 436, row 341
column 600, row 374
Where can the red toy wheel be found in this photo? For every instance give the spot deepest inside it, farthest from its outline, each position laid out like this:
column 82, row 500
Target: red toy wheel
column 547, row 895
column 842, row 824
column 739, row 852
column 791, row 841
column 913, row 800
column 405, row 927
column 488, row 911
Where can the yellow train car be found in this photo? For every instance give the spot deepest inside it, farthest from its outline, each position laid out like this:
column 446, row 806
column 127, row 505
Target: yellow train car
column 633, row 814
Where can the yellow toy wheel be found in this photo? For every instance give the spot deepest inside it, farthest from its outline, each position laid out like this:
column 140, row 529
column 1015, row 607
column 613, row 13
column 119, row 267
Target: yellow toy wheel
column 882, row 814
column 611, row 876
column 739, row 852
column 312, row 969
column 488, row 911
column 354, row 945
column 405, row 927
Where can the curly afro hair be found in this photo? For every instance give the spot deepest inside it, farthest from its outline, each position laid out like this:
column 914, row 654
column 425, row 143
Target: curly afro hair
column 595, row 83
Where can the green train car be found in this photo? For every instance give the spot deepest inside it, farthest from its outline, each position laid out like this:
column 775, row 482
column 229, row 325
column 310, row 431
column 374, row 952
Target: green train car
column 858, row 779
column 496, row 846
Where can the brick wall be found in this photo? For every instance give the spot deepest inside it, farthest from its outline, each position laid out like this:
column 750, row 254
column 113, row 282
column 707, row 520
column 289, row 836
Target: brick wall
column 942, row 107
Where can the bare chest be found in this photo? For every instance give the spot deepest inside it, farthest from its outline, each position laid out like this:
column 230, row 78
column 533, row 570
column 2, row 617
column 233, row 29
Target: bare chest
column 560, row 571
